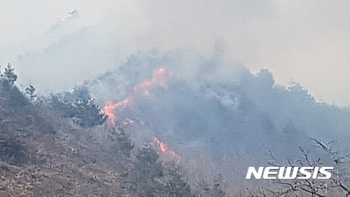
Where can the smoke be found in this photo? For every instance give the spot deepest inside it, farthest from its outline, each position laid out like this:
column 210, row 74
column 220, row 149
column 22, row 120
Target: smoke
column 222, row 100
column 306, row 42
column 237, row 90
column 73, row 15
column 234, row 115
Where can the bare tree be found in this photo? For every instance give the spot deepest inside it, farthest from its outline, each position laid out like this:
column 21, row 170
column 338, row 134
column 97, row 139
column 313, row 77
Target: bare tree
column 337, row 185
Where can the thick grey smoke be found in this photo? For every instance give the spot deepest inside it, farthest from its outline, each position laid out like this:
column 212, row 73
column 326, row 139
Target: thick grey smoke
column 300, row 41
column 221, row 117
column 222, row 102
column 234, row 113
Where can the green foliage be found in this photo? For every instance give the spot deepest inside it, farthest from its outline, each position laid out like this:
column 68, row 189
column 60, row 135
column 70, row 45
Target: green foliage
column 11, row 151
column 142, row 173
column 9, row 93
column 8, row 78
column 30, row 92
column 145, row 178
column 79, row 106
column 211, row 190
column 122, row 144
column 175, row 184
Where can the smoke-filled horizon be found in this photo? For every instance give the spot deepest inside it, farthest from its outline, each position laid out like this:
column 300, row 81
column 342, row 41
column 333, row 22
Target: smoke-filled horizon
column 236, row 88
column 217, row 113
column 56, row 45
column 218, row 86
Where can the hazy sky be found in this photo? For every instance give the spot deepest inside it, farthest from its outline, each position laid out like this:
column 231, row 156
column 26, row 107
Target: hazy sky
column 301, row 41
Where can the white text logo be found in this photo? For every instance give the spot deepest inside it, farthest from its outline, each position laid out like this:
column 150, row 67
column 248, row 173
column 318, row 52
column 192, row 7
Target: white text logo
column 289, row 172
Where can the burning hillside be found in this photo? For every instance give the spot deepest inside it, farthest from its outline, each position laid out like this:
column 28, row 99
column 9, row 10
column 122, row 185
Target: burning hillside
column 174, row 98
column 160, row 77
column 60, row 146
column 143, row 89
column 214, row 114
column 156, row 119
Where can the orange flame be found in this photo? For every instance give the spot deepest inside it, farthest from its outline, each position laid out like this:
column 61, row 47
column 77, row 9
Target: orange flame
column 164, row 149
column 110, row 108
column 160, row 77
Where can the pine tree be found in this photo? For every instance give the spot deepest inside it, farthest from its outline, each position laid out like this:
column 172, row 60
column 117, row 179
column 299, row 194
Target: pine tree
column 147, row 173
column 30, row 91
column 8, row 78
column 79, row 106
column 10, row 75
column 9, row 93
column 176, row 186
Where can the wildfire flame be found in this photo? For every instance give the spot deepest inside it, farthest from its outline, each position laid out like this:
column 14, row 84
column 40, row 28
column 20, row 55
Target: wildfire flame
column 110, row 108
column 160, row 77
column 164, row 149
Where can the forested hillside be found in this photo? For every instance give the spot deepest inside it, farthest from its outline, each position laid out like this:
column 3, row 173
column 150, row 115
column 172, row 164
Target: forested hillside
column 60, row 145
column 64, row 143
